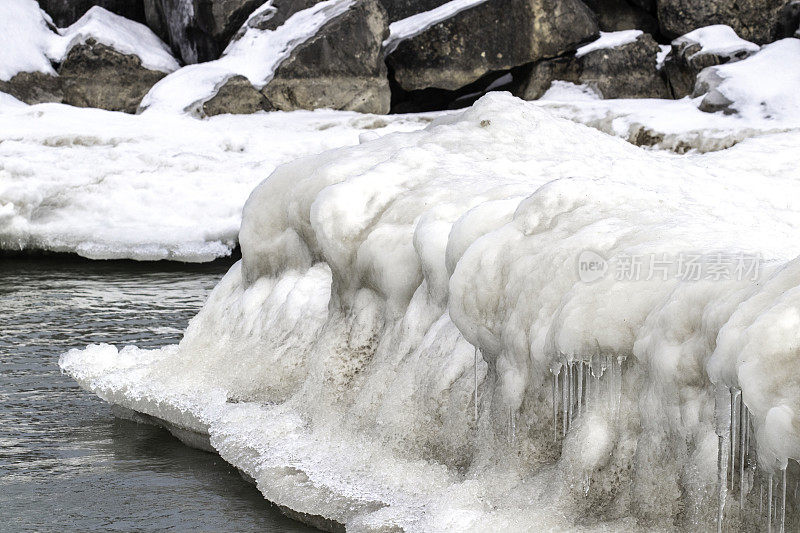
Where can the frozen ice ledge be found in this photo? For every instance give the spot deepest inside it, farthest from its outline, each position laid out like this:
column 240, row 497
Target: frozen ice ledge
column 506, row 321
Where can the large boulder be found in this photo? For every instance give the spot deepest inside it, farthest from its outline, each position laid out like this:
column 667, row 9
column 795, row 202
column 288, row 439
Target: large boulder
column 341, row 67
column 754, row 20
column 401, row 9
column 620, row 65
column 788, row 24
column 96, row 75
column 34, row 87
column 700, row 49
column 489, row 36
column 66, row 12
column 617, row 15
column 198, row 30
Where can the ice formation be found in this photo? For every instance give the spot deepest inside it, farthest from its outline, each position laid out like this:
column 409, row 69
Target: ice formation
column 256, row 53
column 108, row 185
column 411, row 339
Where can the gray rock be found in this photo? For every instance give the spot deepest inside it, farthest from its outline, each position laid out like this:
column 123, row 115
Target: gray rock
column 494, row 35
column 686, row 60
column 65, row 12
column 340, row 68
column 707, row 83
column 754, row 20
column 616, row 15
column 197, row 30
column 237, row 96
column 96, row 75
column 34, row 87
column 400, row 9
column 788, row 23
column 627, row 71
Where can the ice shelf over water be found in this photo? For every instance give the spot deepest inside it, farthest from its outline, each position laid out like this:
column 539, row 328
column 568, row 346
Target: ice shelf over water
column 443, row 330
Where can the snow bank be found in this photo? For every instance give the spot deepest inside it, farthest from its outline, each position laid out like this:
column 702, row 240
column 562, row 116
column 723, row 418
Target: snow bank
column 412, row 26
column 764, row 84
column 30, row 43
column 610, row 39
column 255, row 53
column 25, row 39
column 108, row 185
column 411, row 340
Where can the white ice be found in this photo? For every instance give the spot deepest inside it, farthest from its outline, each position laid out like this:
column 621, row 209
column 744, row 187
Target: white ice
column 335, row 363
column 26, row 41
column 609, row 39
column 110, row 185
column 255, row 54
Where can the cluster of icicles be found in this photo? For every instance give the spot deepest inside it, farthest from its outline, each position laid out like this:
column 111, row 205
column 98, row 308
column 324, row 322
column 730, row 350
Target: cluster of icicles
column 738, row 472
column 579, row 384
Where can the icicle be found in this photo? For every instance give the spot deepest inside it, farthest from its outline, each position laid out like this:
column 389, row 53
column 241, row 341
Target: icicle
column 588, row 392
column 571, row 385
column 743, row 425
column 564, row 400
column 580, row 387
column 618, row 397
column 734, row 433
column 556, row 395
column 783, row 501
column 769, row 503
column 722, row 482
column 476, row 385
column 610, row 366
column 587, row 479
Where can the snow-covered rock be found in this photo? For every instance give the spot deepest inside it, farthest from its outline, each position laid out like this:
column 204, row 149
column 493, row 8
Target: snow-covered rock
column 327, row 55
column 477, row 37
column 384, row 354
column 617, row 65
column 104, row 60
column 700, row 49
column 764, row 84
column 67, row 12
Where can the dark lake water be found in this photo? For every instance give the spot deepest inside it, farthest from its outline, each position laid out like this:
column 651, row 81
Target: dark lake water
column 66, row 464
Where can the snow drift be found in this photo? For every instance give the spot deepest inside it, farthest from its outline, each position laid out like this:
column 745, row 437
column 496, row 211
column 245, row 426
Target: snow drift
column 443, row 330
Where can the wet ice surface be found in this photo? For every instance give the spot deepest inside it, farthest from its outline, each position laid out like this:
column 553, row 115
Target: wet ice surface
column 65, row 462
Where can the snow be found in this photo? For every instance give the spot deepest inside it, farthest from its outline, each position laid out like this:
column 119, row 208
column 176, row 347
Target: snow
column 29, row 44
column 764, row 84
column 109, row 185
column 718, row 40
column 610, row 39
column 255, row 54
column 335, row 362
column 25, row 39
column 565, row 91
column 121, row 34
column 412, row 26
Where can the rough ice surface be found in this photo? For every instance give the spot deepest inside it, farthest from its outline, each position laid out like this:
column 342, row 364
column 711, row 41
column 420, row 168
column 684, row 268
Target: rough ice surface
column 610, row 39
column 121, row 34
column 108, row 185
column 763, row 85
column 412, row 26
column 336, row 362
column 255, row 53
column 719, row 40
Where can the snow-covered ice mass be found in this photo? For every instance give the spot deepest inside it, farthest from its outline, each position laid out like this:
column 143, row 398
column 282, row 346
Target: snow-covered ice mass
column 561, row 296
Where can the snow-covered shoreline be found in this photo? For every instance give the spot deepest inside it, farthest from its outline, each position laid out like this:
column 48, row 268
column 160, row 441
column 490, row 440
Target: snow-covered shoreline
column 386, row 287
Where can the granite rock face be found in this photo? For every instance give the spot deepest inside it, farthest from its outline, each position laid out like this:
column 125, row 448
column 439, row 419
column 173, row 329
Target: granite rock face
column 65, row 12
column 627, row 71
column 341, row 67
column 96, row 75
column 617, row 15
column 197, row 30
column 238, row 97
column 34, row 88
column 491, row 36
column 400, row 9
column 754, row 20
